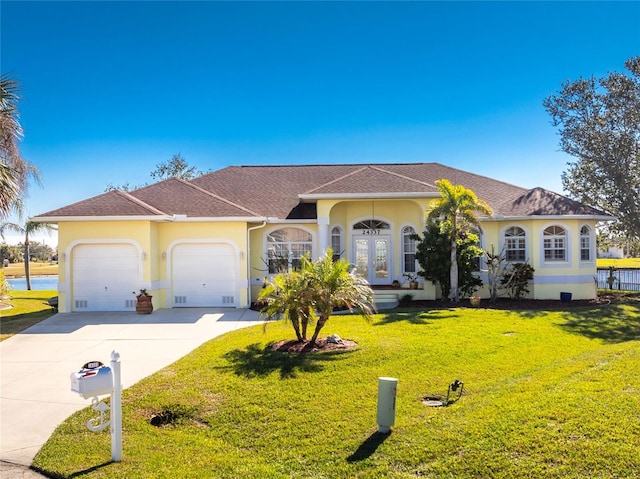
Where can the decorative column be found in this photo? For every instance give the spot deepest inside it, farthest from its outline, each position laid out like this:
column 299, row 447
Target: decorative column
column 324, row 240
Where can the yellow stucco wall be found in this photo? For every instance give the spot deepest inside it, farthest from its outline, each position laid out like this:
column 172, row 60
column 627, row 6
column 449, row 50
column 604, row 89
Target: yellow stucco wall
column 154, row 241
column 550, row 277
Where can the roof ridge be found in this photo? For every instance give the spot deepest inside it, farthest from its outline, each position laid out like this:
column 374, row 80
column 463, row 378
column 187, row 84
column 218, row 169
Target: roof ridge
column 335, row 180
column 213, row 195
column 521, row 188
column 328, row 164
column 139, row 202
column 374, row 167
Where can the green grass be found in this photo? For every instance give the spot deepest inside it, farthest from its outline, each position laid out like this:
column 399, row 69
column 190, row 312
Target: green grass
column 619, row 263
column 35, row 269
column 547, row 394
column 27, row 308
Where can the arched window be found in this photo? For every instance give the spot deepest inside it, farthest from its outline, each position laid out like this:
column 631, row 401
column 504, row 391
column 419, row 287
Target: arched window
column 371, row 225
column 285, row 247
column 585, row 243
column 408, row 250
column 515, row 245
column 555, row 243
column 336, row 242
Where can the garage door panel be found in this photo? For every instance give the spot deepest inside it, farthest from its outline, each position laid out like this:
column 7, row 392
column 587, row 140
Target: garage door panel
column 204, row 275
column 104, row 277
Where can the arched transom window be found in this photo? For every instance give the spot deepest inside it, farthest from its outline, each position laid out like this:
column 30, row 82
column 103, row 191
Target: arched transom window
column 371, row 225
column 515, row 245
column 285, row 247
column 555, row 243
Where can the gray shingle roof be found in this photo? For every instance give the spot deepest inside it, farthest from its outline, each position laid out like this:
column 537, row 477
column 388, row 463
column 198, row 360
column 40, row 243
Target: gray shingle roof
column 178, row 197
column 112, row 203
column 276, row 191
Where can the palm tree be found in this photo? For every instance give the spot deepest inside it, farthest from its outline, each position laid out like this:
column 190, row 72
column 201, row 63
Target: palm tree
column 287, row 297
column 334, row 286
column 458, row 207
column 314, row 292
column 30, row 227
column 14, row 170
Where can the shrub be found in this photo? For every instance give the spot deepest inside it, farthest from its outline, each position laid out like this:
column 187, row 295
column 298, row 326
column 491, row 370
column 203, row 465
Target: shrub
column 515, row 279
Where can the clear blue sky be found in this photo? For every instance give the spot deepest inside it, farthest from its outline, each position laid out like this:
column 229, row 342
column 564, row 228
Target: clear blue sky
column 111, row 89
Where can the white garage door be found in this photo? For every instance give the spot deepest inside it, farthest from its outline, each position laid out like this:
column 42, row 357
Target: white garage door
column 104, row 277
column 204, row 275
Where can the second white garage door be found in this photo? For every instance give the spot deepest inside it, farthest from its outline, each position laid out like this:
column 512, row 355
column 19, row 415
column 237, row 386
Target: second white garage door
column 204, row 275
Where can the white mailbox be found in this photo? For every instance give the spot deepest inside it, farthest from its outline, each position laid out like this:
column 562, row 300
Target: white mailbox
column 92, row 381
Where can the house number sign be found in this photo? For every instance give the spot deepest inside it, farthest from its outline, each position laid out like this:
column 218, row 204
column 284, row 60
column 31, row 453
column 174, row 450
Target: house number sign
column 371, row 232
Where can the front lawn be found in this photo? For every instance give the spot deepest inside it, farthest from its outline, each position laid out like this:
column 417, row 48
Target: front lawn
column 546, row 394
column 23, row 309
column 35, row 269
column 619, row 263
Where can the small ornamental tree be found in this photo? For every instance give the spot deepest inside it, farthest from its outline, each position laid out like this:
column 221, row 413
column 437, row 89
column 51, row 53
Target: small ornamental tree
column 515, row 279
column 286, row 297
column 495, row 269
column 313, row 292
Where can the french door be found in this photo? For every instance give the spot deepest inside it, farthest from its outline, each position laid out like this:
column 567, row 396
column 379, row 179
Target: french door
column 372, row 258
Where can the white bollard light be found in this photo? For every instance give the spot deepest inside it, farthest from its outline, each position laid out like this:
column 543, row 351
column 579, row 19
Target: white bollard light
column 386, row 417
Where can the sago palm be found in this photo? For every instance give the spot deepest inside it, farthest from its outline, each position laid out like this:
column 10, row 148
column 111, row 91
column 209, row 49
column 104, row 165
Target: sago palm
column 458, row 206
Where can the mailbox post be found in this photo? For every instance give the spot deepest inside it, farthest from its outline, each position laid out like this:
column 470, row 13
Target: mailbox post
column 116, row 409
column 96, row 379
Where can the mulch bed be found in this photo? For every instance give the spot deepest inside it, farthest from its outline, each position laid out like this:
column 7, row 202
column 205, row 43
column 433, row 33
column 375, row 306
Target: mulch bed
column 321, row 345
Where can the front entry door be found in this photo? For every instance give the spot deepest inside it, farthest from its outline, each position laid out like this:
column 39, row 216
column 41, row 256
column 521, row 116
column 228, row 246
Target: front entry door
column 373, row 259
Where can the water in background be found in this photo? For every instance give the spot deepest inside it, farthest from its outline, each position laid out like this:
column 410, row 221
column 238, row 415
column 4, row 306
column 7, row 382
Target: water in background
column 39, row 283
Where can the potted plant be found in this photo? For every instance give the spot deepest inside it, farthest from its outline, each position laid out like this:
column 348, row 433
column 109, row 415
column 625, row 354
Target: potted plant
column 474, row 300
column 144, row 304
column 413, row 280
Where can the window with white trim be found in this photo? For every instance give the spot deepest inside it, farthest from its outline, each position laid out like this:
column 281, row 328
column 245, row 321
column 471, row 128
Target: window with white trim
column 515, row 244
column 336, row 242
column 555, row 243
column 408, row 250
column 585, row 243
column 285, row 247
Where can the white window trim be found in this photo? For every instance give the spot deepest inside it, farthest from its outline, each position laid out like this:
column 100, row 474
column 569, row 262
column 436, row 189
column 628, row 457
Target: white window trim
column 343, row 245
column 503, row 241
column 402, row 252
column 592, row 245
column 265, row 242
column 546, row 263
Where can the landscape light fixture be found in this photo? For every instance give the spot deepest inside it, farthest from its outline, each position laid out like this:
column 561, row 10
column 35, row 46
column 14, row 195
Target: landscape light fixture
column 436, row 401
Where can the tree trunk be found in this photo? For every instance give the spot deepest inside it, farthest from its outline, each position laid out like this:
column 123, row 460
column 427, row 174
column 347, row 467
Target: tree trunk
column 26, row 262
column 319, row 325
column 296, row 328
column 305, row 323
column 453, row 272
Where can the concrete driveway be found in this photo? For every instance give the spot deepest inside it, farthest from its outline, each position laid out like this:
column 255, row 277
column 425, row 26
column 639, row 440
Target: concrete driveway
column 36, row 364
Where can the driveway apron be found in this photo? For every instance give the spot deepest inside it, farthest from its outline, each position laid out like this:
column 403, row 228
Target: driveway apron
column 36, row 365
